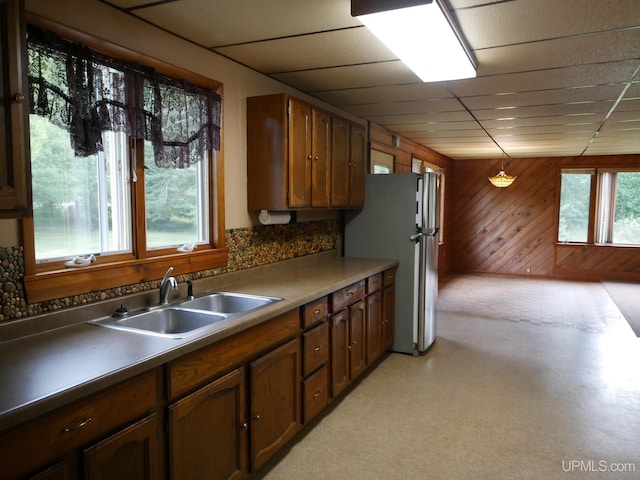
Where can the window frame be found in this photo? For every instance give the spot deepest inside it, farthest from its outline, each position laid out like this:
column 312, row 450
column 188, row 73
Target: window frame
column 52, row 280
column 600, row 230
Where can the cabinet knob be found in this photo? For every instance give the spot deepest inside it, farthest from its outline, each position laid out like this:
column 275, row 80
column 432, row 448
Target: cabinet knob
column 18, row 97
column 256, row 417
column 245, row 427
column 316, row 348
column 309, row 157
column 316, row 312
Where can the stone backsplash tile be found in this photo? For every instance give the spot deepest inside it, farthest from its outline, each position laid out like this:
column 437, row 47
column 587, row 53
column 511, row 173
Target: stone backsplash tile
column 248, row 247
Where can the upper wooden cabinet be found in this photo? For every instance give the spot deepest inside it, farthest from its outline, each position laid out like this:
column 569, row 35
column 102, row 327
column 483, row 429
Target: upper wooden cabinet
column 15, row 193
column 349, row 165
column 291, row 158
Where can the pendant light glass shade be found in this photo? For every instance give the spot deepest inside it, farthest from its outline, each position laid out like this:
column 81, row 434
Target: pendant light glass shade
column 502, row 180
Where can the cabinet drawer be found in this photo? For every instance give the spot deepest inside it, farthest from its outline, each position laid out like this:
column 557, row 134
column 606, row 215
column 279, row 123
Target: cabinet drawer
column 315, row 393
column 374, row 283
column 85, row 421
column 389, row 277
column 315, row 311
column 315, row 345
column 209, row 362
column 346, row 296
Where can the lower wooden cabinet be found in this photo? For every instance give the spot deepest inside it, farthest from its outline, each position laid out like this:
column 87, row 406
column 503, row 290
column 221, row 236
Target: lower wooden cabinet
column 348, row 346
column 209, row 430
column 131, row 454
column 275, row 401
column 220, row 412
column 339, row 352
column 388, row 316
column 374, row 320
column 103, row 432
column 357, row 338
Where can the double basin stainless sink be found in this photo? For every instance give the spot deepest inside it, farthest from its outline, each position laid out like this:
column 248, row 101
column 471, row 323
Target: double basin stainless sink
column 189, row 317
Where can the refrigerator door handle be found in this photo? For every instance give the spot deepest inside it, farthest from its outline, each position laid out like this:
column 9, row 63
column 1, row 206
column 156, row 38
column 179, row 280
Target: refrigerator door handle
column 416, row 237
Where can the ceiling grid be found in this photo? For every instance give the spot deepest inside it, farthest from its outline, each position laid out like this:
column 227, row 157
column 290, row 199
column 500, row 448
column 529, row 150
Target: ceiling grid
column 555, row 78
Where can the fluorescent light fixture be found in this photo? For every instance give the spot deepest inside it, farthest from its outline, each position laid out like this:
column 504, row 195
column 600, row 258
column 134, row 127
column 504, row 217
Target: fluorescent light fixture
column 422, row 36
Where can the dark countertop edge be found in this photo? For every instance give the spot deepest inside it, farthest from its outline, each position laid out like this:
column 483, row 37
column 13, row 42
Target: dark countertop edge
column 353, row 270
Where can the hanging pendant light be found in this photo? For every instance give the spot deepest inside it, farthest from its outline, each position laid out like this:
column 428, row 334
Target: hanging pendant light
column 502, row 180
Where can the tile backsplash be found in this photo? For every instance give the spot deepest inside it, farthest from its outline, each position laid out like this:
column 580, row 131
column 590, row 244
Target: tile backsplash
column 248, row 247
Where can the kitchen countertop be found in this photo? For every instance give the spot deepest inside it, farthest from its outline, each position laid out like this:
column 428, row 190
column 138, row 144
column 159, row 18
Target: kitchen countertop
column 43, row 371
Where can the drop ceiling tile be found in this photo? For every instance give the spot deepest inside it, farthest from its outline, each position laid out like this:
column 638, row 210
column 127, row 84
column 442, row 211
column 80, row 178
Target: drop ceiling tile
column 556, row 53
column 569, row 110
column 390, row 93
column 550, row 129
column 214, row 24
column 562, row 77
column 457, row 128
column 399, row 108
column 593, row 120
column 422, row 118
column 339, row 78
column 508, row 23
column 544, row 97
column 326, row 49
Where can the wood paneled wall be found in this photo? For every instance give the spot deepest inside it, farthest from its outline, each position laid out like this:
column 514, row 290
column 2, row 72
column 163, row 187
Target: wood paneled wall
column 513, row 230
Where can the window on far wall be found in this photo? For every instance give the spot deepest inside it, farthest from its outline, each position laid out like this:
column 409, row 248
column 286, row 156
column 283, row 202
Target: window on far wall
column 600, row 206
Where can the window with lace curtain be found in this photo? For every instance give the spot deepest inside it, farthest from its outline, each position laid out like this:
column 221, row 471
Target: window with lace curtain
column 123, row 160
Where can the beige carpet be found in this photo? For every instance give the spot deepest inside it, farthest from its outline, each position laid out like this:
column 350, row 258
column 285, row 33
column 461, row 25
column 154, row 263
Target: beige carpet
column 627, row 297
column 493, row 399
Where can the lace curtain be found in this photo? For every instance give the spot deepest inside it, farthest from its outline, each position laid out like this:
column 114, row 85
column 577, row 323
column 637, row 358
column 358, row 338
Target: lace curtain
column 87, row 93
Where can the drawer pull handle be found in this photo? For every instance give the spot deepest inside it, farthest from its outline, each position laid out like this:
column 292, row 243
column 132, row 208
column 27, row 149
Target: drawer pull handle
column 316, row 348
column 316, row 312
column 78, row 426
column 317, row 394
column 349, row 294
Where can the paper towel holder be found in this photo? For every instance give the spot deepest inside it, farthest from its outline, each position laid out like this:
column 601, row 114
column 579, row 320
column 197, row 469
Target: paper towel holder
column 267, row 217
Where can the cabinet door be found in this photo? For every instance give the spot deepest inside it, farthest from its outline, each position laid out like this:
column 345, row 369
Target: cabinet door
column 299, row 154
column 388, row 316
column 339, row 352
column 340, row 163
column 320, row 166
column 275, row 401
column 129, row 454
column 15, row 195
column 60, row 471
column 374, row 327
column 357, row 347
column 357, row 163
column 208, row 431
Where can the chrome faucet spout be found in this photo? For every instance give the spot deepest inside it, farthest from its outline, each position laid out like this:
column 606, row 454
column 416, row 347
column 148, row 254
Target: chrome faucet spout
column 166, row 284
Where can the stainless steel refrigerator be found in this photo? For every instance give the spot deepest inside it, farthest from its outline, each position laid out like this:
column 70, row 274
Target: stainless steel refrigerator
column 400, row 220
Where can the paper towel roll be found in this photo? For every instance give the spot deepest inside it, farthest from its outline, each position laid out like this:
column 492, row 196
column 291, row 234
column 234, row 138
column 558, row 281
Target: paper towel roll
column 274, row 218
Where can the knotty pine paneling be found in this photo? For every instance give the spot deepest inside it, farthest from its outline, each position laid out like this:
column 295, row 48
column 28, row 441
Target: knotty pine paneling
column 503, row 230
column 513, row 230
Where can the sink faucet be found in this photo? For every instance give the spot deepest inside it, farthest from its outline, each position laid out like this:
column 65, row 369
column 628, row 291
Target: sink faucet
column 167, row 282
